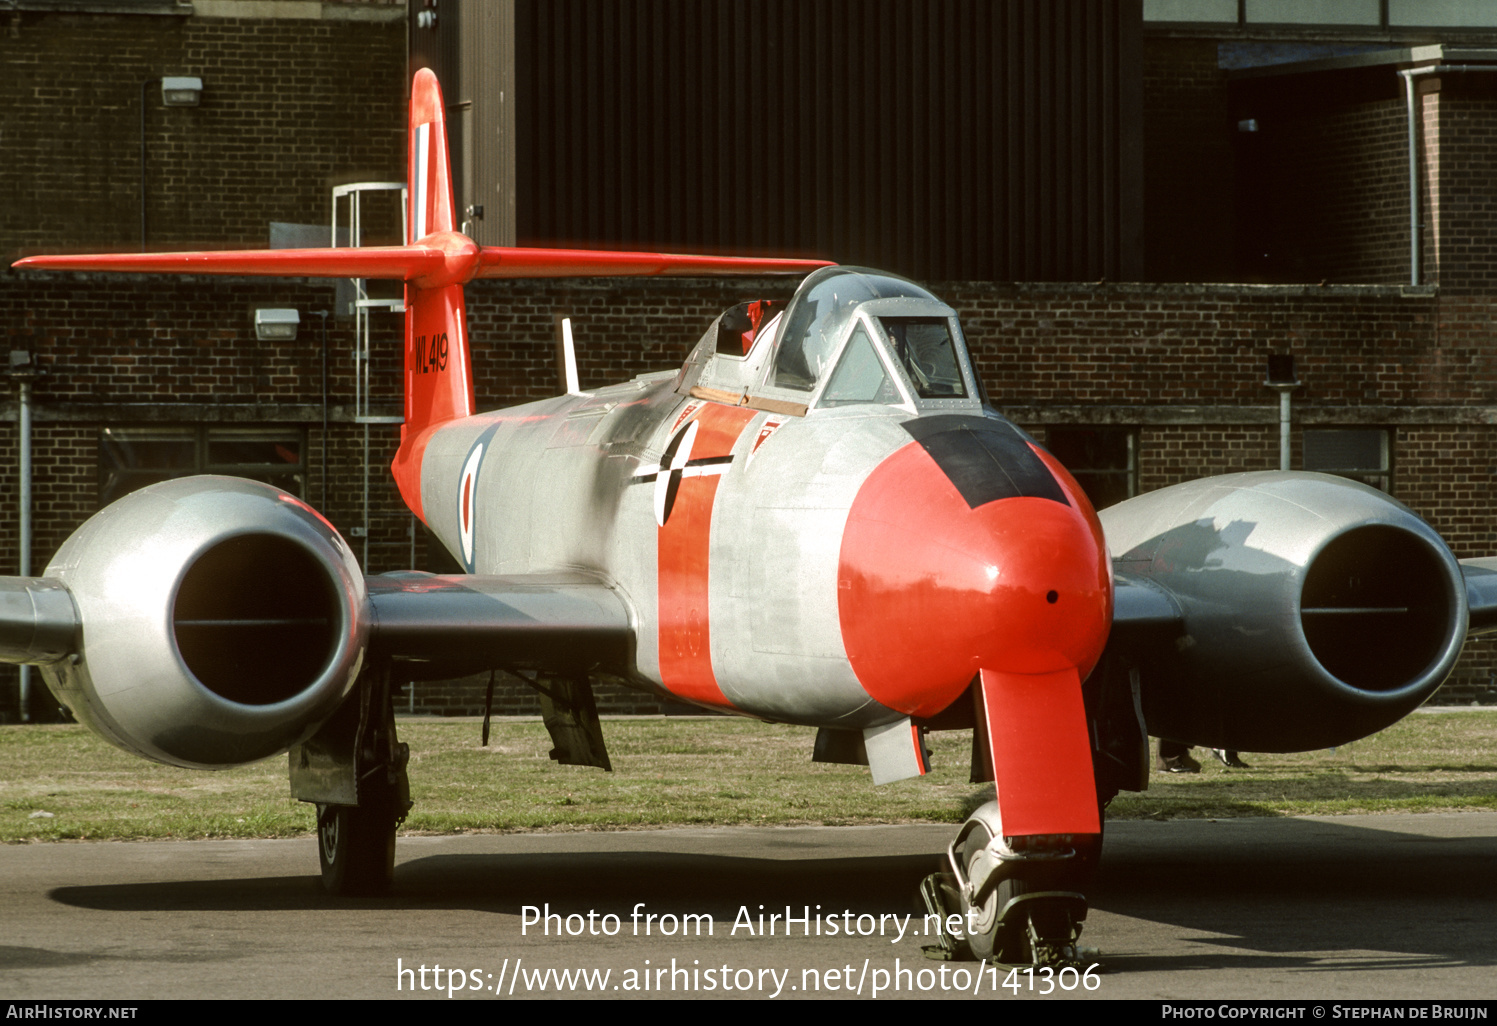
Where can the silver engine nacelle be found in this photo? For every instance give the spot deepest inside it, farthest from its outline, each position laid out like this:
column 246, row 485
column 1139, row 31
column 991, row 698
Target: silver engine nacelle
column 1316, row 610
column 222, row 621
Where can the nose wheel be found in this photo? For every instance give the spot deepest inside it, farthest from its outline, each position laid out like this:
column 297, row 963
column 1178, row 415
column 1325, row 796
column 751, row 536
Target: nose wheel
column 989, row 934
column 1012, row 906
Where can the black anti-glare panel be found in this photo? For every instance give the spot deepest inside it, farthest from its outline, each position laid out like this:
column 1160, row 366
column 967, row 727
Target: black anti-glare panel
column 985, row 460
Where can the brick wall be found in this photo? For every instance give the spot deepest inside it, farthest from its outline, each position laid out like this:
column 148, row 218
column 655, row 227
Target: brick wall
column 302, row 104
column 1208, row 344
column 1460, row 139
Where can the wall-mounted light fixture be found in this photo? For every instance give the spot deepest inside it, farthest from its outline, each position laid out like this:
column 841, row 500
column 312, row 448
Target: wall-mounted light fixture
column 181, row 91
column 272, row 325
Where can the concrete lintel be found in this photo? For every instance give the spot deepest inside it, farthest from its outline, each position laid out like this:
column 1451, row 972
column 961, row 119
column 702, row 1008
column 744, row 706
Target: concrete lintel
column 1396, row 415
column 1316, row 416
column 174, row 8
column 1141, row 415
column 298, row 10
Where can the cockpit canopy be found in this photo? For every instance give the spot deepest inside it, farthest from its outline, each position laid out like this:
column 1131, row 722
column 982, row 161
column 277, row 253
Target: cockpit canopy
column 819, row 316
column 849, row 336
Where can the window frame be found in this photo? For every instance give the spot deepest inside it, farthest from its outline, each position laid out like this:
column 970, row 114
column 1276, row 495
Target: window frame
column 1129, row 473
column 202, row 437
column 1388, row 438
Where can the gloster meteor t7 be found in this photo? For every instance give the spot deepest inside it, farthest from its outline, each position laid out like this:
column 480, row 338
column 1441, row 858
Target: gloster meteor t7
column 818, row 519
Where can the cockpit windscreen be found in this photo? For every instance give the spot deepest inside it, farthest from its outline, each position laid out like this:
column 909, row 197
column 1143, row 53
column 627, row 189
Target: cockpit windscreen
column 925, row 347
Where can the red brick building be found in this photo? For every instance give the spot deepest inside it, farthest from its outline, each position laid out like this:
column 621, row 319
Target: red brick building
column 1275, row 220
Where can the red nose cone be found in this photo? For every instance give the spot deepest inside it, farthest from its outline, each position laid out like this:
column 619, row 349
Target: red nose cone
column 932, row 590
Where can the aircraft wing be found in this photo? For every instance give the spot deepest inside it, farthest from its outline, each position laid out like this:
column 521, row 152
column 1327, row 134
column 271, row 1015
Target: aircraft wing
column 38, row 622
column 446, row 624
column 1481, row 593
column 463, row 623
column 1142, row 608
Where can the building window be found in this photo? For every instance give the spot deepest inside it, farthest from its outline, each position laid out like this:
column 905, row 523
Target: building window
column 1362, row 454
column 133, row 457
column 1104, row 460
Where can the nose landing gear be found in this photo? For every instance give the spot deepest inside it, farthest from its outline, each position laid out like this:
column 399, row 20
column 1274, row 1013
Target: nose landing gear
column 1014, row 897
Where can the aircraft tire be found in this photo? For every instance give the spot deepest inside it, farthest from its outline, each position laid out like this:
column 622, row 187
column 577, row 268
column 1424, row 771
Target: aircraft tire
column 990, row 938
column 356, row 848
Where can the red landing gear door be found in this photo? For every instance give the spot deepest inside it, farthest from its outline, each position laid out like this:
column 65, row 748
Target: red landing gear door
column 1035, row 726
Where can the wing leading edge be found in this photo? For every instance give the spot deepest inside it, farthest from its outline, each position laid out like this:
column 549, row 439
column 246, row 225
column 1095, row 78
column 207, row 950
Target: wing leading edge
column 1481, row 594
column 441, row 625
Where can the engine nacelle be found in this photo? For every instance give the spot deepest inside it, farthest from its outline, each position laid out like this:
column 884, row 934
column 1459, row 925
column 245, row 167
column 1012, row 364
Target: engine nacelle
column 222, row 621
column 1316, row 610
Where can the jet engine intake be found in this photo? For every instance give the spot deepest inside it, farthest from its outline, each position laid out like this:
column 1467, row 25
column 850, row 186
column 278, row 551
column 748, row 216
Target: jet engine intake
column 1314, row 610
column 221, row 622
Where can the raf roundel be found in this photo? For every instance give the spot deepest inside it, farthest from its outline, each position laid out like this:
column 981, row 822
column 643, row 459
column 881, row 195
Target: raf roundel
column 466, row 505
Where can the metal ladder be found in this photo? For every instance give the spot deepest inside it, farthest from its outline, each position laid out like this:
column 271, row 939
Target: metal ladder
column 353, row 194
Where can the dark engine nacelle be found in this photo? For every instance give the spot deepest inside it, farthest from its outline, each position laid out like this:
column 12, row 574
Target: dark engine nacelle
column 222, row 621
column 1315, row 610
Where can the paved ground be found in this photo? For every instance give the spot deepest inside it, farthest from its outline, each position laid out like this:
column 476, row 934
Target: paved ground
column 1348, row 907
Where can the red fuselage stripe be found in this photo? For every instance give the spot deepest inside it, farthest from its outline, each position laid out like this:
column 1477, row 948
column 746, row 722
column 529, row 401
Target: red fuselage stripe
column 684, row 546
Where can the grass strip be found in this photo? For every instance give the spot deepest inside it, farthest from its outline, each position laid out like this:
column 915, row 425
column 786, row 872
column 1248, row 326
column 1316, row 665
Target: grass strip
column 63, row 783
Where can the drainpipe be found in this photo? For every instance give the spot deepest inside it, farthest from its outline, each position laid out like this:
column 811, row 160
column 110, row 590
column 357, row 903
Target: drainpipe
column 1282, row 379
column 1408, row 91
column 23, row 372
column 143, row 87
column 322, row 314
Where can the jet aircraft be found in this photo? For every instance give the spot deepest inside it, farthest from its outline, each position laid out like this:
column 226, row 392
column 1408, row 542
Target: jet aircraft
column 819, row 519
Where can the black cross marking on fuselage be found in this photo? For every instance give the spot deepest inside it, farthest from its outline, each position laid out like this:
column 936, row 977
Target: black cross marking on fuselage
column 675, row 465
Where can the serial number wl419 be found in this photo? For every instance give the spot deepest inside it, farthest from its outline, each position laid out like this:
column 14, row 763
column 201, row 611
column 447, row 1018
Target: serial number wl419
column 430, row 354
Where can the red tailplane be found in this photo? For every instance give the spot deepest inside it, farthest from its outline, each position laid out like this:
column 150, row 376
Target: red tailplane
column 435, row 263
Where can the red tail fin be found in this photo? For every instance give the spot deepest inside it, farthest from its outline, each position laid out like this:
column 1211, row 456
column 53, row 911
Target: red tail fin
column 438, row 372
column 434, row 263
column 429, row 176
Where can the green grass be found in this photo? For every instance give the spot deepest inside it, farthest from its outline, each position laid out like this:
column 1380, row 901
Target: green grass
column 695, row 772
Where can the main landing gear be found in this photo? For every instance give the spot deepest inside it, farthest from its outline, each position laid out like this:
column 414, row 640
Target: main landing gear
column 356, row 848
column 354, row 770
column 1016, row 898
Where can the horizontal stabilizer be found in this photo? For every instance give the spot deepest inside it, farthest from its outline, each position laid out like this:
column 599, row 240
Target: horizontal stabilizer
column 451, row 263
column 397, row 262
column 516, row 262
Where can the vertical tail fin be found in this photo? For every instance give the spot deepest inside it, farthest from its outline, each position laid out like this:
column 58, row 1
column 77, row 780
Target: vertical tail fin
column 429, row 174
column 435, row 262
column 438, row 371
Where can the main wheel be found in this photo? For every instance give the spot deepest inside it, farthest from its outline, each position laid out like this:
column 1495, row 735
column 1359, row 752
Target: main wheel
column 357, row 848
column 986, row 936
